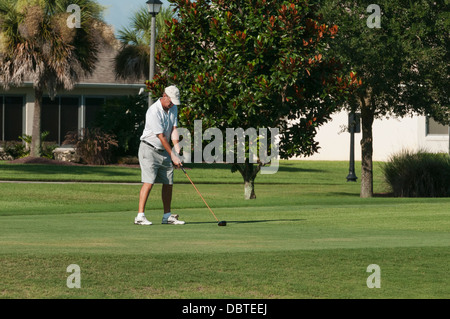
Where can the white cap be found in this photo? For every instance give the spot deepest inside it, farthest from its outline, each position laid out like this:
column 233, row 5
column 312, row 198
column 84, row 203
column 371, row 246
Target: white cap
column 174, row 94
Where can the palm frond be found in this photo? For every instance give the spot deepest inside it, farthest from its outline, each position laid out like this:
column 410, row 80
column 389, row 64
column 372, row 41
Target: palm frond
column 130, row 36
column 132, row 62
column 39, row 46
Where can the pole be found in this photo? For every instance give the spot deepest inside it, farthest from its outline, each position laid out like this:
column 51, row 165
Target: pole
column 152, row 56
column 351, row 177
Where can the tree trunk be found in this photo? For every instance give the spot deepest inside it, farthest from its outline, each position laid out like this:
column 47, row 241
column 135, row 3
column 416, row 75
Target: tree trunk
column 367, row 118
column 249, row 189
column 248, row 171
column 35, row 147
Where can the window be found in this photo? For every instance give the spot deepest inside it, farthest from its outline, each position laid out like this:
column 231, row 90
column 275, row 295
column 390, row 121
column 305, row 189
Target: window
column 69, row 116
column 93, row 106
column 434, row 128
column 11, row 117
column 50, row 118
column 59, row 117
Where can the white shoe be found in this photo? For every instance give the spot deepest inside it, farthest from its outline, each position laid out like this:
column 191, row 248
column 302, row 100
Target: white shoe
column 173, row 219
column 142, row 221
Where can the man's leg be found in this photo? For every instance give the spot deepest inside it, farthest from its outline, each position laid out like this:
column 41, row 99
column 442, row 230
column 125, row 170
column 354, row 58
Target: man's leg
column 143, row 196
column 167, row 197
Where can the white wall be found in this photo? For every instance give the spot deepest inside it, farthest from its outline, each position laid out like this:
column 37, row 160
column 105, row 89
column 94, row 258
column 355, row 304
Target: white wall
column 432, row 143
column 389, row 136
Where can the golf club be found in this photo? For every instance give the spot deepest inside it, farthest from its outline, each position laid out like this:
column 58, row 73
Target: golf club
column 220, row 223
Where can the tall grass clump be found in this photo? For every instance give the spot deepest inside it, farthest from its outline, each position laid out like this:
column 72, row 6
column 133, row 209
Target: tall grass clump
column 418, row 174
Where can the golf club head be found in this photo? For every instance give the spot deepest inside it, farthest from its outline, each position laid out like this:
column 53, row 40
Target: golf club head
column 222, row 223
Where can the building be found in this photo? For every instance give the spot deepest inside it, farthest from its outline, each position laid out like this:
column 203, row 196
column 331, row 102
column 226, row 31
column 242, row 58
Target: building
column 389, row 136
column 70, row 110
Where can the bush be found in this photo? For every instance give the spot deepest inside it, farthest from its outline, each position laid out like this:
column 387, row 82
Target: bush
column 94, row 146
column 125, row 118
column 17, row 149
column 418, row 174
column 47, row 148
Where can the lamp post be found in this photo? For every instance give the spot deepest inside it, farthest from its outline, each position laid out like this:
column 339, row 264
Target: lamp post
column 153, row 8
column 354, row 127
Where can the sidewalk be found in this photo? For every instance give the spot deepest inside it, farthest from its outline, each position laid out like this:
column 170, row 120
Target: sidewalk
column 67, row 182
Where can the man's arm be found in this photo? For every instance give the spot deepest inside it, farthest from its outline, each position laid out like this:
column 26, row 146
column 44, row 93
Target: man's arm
column 176, row 139
column 167, row 147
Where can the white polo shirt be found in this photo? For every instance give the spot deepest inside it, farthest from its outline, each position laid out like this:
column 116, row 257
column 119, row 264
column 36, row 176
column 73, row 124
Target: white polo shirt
column 157, row 121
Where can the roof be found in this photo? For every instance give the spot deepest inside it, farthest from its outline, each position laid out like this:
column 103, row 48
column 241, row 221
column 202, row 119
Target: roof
column 104, row 72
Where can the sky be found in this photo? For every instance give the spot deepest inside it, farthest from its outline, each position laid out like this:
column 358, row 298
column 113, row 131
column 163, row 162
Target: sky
column 119, row 12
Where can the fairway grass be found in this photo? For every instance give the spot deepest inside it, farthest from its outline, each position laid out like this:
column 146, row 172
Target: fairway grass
column 304, row 239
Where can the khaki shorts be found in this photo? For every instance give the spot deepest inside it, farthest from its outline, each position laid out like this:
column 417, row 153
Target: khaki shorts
column 156, row 167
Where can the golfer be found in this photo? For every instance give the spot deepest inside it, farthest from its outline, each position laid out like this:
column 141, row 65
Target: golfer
column 156, row 155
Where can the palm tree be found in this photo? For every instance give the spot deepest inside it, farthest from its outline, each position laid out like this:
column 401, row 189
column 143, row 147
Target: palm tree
column 132, row 61
column 37, row 45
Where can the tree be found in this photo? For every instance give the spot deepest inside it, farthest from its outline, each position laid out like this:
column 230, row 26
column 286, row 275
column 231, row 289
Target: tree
column 132, row 60
column 39, row 43
column 253, row 64
column 403, row 63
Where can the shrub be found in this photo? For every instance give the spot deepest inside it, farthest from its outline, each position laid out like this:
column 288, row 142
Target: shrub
column 418, row 174
column 94, row 146
column 47, row 148
column 125, row 118
column 17, row 149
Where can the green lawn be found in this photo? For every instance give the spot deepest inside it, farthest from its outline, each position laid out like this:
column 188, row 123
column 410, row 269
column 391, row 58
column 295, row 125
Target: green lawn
column 307, row 235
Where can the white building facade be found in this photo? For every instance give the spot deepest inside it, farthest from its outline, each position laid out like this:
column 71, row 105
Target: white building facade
column 390, row 136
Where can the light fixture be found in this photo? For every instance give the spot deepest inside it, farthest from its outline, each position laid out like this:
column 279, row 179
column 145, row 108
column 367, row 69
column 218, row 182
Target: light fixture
column 154, row 6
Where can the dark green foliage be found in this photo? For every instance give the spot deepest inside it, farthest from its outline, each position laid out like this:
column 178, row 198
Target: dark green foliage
column 418, row 174
column 18, row 149
column 404, row 64
column 124, row 117
column 15, row 149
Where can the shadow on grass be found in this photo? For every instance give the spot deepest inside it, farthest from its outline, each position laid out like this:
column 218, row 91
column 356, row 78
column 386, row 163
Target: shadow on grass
column 250, row 221
column 345, row 194
column 226, row 166
column 42, row 169
column 383, row 195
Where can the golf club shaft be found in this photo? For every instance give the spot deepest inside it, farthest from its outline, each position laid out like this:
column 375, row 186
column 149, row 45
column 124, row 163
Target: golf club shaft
column 182, row 168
